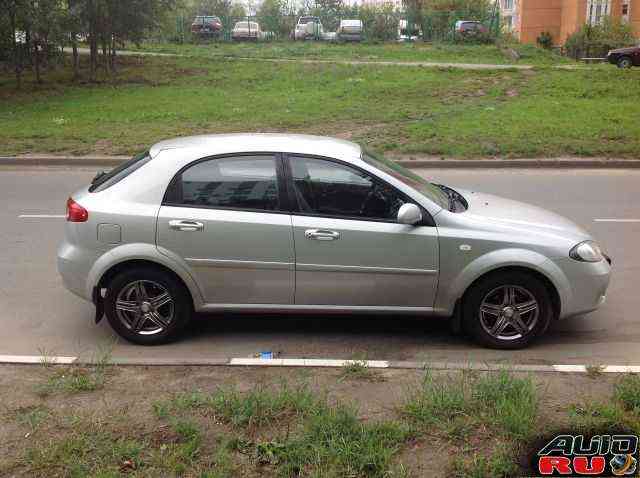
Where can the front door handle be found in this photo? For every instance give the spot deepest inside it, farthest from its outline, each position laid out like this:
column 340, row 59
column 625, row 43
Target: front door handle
column 187, row 226
column 321, row 234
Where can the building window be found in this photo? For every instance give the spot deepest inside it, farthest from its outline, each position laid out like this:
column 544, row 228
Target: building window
column 507, row 4
column 625, row 11
column 508, row 23
column 597, row 10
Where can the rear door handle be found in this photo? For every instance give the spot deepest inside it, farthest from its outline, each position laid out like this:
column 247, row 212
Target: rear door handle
column 321, row 234
column 185, row 225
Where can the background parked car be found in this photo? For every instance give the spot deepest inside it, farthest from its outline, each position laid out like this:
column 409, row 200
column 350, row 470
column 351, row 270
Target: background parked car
column 206, row 26
column 350, row 30
column 408, row 33
column 625, row 57
column 307, row 28
column 470, row 29
column 246, row 31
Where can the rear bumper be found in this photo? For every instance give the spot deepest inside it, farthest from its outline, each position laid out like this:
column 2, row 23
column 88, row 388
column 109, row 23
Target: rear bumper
column 74, row 265
column 350, row 36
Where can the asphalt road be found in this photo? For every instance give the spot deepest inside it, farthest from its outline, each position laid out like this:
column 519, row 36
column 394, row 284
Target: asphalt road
column 37, row 314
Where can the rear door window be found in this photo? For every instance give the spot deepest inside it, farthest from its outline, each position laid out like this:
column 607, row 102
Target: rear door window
column 242, row 182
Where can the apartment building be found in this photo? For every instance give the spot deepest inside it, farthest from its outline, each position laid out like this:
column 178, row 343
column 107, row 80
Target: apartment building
column 527, row 19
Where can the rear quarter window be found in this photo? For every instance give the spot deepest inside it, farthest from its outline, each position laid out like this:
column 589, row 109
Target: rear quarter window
column 117, row 174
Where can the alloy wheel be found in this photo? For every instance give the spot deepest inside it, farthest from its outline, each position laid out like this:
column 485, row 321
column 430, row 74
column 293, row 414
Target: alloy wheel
column 509, row 312
column 145, row 307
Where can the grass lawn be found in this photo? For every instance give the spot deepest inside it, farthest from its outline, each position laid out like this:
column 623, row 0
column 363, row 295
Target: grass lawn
column 403, row 111
column 390, row 51
column 263, row 422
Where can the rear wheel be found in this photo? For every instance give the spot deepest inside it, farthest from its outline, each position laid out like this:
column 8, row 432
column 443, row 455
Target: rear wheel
column 147, row 306
column 625, row 62
column 507, row 310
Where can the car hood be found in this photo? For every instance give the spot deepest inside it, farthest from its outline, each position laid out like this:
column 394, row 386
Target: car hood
column 629, row 49
column 498, row 212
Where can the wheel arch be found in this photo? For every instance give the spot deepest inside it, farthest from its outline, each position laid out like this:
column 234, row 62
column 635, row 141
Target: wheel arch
column 136, row 255
column 556, row 301
column 501, row 261
column 625, row 57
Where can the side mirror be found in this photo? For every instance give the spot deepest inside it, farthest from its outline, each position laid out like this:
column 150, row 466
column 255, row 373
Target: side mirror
column 409, row 214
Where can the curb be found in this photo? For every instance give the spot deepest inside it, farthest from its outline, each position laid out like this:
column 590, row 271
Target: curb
column 593, row 163
column 322, row 363
column 596, row 163
column 62, row 160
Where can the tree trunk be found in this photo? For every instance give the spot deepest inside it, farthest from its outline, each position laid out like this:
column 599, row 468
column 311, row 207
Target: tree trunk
column 113, row 52
column 93, row 40
column 36, row 59
column 105, row 56
column 74, row 41
column 17, row 55
column 76, row 57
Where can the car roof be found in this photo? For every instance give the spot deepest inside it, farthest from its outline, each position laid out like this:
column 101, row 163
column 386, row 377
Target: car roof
column 213, row 144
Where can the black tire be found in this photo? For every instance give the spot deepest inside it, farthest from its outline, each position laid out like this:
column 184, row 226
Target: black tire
column 488, row 291
column 625, row 62
column 154, row 281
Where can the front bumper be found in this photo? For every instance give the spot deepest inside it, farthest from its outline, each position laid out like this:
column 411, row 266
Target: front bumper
column 587, row 286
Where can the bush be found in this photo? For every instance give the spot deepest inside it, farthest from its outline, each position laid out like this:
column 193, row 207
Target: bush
column 597, row 40
column 545, row 40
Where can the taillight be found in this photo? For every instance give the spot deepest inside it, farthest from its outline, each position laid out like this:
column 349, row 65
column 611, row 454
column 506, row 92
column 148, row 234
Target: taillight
column 75, row 212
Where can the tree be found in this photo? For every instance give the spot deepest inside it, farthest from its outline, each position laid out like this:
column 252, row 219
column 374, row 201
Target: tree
column 222, row 8
column 237, row 11
column 330, row 12
column 271, row 17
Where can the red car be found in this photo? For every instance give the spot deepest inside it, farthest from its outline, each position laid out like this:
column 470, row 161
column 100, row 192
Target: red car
column 206, row 26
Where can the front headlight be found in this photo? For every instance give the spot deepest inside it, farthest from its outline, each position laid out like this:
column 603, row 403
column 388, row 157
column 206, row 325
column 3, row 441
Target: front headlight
column 587, row 251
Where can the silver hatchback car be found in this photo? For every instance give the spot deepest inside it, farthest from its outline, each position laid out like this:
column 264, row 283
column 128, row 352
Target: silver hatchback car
column 292, row 223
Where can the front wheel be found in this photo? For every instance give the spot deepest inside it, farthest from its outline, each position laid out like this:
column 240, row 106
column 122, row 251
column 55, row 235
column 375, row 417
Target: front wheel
column 507, row 310
column 625, row 62
column 147, row 306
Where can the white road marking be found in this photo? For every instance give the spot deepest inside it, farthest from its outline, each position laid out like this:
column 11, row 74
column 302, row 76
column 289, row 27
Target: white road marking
column 307, row 362
column 570, row 368
column 37, row 359
column 41, row 216
column 616, row 220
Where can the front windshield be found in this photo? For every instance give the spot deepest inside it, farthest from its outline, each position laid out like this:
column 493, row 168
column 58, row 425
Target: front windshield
column 408, row 177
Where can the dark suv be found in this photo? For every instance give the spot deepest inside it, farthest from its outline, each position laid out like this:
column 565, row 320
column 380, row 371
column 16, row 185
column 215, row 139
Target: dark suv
column 206, row 26
column 625, row 57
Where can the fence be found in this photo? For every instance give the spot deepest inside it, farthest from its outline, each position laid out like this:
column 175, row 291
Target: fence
column 378, row 26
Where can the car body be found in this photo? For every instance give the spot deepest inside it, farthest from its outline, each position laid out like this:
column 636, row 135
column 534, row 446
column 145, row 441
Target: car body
column 294, row 223
column 350, row 30
column 469, row 28
column 406, row 33
column 308, row 28
column 246, row 30
column 206, row 26
column 625, row 57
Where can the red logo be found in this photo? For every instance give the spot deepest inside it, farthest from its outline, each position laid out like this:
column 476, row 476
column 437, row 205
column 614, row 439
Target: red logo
column 599, row 455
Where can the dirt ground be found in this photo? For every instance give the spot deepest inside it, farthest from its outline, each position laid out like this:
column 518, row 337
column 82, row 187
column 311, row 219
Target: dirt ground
column 124, row 404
